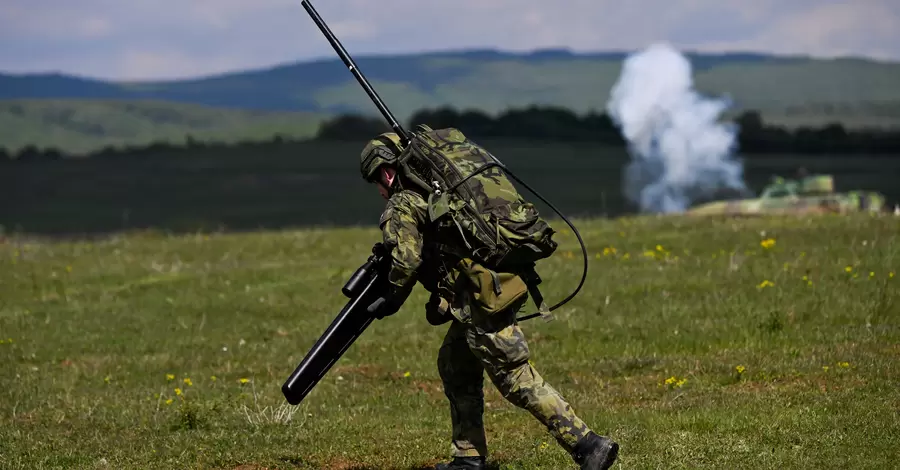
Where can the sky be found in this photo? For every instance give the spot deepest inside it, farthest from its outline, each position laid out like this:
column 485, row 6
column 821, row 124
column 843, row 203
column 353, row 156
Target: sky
column 171, row 39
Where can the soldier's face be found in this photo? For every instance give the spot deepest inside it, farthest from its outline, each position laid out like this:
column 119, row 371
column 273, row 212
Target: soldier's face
column 382, row 190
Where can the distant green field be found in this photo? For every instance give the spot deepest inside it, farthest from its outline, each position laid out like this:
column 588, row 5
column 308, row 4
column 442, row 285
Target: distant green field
column 319, row 184
column 843, row 90
column 694, row 344
column 81, row 126
column 786, row 90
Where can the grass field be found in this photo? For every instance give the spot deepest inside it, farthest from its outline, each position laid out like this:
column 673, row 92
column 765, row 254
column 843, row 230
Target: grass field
column 79, row 126
column 751, row 343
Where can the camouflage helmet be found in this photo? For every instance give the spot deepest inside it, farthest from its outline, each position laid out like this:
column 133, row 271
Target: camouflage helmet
column 384, row 149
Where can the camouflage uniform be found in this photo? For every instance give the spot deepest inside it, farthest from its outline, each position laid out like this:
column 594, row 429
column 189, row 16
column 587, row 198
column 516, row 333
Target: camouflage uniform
column 476, row 340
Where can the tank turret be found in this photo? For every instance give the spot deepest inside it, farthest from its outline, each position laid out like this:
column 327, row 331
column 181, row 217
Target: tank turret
column 817, row 184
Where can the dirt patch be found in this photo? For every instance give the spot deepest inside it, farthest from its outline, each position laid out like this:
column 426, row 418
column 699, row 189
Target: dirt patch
column 431, row 387
column 344, row 464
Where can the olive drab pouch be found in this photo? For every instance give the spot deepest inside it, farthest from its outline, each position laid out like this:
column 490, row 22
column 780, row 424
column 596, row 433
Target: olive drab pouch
column 492, row 291
column 468, row 187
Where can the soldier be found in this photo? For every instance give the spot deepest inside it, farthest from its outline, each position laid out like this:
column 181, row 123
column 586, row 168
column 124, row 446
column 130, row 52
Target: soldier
column 476, row 341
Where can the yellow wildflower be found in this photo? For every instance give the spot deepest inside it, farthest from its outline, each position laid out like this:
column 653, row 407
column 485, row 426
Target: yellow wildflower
column 169, row 401
column 871, row 274
column 407, row 374
column 825, row 368
column 767, row 243
column 848, row 269
column 891, row 274
column 739, row 369
column 213, row 378
column 178, row 391
column 243, row 380
column 680, row 382
column 766, row 283
column 844, row 364
column 659, row 248
column 187, row 381
column 170, row 376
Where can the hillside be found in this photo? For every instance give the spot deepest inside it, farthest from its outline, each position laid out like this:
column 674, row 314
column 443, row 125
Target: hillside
column 787, row 90
column 81, row 125
column 493, row 81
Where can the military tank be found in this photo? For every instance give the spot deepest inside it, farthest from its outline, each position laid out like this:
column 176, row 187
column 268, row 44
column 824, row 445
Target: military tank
column 812, row 194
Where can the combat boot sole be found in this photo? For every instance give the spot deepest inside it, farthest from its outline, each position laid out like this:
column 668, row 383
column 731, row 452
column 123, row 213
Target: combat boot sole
column 463, row 463
column 596, row 452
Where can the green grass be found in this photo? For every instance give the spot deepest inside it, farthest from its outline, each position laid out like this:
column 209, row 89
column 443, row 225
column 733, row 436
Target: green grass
column 91, row 329
column 81, row 126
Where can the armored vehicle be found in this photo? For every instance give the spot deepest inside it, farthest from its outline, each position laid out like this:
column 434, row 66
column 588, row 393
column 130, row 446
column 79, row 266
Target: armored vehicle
column 812, row 194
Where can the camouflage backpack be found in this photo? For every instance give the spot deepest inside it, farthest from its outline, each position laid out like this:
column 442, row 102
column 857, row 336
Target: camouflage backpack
column 502, row 230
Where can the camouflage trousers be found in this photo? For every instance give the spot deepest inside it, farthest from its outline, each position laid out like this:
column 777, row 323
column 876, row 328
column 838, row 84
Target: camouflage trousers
column 497, row 345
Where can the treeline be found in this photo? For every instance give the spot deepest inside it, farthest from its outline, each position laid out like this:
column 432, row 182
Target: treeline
column 532, row 123
column 559, row 124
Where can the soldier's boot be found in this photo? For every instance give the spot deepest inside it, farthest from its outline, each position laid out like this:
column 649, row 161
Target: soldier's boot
column 595, row 452
column 462, row 463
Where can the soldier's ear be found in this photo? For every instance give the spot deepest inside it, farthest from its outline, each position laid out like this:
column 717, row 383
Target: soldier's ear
column 388, row 175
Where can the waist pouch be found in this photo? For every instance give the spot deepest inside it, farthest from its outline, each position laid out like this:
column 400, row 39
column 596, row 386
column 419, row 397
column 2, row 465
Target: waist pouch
column 492, row 291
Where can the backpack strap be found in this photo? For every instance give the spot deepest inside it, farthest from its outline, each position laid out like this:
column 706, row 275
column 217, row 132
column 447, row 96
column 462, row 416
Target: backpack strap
column 532, row 279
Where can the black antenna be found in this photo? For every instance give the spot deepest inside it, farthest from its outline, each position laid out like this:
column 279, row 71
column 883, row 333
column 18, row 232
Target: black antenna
column 348, row 61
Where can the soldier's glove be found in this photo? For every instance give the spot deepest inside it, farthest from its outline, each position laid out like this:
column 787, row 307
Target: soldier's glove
column 389, row 303
column 384, row 307
column 436, row 310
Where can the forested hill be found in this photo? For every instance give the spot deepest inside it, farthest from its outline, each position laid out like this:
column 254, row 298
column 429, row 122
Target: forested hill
column 493, row 81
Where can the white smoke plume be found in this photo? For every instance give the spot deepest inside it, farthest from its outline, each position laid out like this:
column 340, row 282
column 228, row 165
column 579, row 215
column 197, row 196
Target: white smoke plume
column 679, row 152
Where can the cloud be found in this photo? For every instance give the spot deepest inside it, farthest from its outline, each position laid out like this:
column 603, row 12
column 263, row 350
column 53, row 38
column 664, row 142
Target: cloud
column 155, row 39
column 828, row 29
